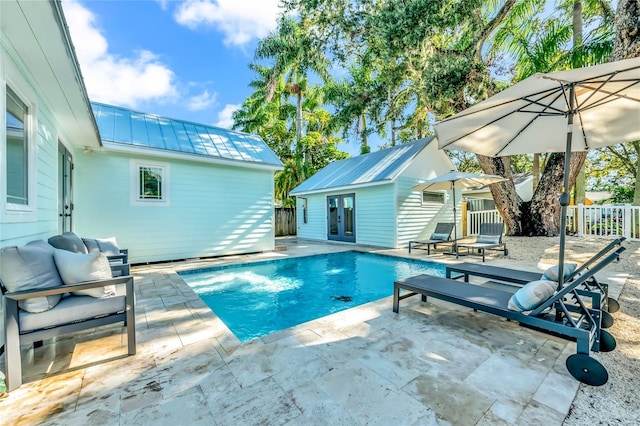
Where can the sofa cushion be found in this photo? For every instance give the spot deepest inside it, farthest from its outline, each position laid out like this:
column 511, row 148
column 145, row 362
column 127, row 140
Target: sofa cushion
column 108, row 246
column 78, row 268
column 27, row 268
column 68, row 241
column 72, row 309
column 531, row 295
column 551, row 274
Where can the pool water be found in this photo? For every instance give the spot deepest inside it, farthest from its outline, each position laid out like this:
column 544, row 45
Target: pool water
column 261, row 298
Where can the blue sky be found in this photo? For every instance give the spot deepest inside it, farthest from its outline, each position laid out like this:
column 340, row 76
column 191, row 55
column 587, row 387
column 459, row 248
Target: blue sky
column 186, row 59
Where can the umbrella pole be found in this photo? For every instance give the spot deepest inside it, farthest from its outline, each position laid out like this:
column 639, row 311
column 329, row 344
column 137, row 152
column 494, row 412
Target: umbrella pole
column 455, row 220
column 564, row 195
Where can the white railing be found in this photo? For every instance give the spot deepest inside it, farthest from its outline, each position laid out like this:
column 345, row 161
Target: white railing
column 605, row 220
column 474, row 219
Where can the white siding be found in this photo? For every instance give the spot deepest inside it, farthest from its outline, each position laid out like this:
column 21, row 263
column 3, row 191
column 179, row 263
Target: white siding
column 375, row 215
column 417, row 221
column 214, row 210
column 43, row 223
column 316, row 226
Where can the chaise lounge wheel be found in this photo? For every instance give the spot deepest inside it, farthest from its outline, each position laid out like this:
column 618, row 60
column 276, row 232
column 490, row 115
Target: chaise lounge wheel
column 612, row 305
column 607, row 341
column 587, row 370
column 606, row 320
column 506, row 252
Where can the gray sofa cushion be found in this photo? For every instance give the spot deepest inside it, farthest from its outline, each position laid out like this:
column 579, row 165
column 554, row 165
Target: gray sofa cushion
column 68, row 241
column 77, row 268
column 73, row 308
column 27, row 268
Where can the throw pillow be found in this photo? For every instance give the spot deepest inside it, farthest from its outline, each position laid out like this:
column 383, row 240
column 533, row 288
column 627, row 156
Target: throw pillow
column 488, row 239
column 27, row 268
column 443, row 237
column 551, row 274
column 531, row 295
column 68, row 241
column 108, row 246
column 78, row 268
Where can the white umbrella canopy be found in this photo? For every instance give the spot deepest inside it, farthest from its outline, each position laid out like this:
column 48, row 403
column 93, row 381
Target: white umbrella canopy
column 457, row 180
column 564, row 111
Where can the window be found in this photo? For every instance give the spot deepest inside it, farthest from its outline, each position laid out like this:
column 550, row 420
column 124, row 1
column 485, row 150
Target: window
column 150, row 180
column 17, row 150
column 149, row 184
column 432, row 198
column 304, row 210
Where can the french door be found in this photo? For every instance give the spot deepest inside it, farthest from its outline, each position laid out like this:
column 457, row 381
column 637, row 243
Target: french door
column 341, row 217
column 65, row 189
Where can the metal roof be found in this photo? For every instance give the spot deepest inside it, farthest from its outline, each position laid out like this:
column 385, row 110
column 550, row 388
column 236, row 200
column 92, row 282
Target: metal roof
column 123, row 126
column 376, row 167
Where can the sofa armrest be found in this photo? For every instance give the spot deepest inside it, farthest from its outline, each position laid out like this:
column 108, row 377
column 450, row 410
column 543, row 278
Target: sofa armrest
column 122, row 257
column 120, row 269
column 27, row 294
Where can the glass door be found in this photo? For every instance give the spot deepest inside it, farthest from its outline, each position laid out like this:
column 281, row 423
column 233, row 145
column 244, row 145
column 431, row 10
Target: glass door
column 65, row 189
column 341, row 217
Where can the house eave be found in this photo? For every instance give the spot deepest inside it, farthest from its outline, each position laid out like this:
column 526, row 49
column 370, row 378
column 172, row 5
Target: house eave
column 155, row 152
column 342, row 188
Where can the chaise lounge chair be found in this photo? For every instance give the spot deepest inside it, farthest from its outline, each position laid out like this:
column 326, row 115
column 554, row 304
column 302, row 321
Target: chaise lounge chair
column 518, row 277
column 577, row 321
column 489, row 238
column 441, row 235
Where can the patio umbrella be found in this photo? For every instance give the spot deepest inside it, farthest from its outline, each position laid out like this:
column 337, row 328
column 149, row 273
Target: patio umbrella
column 457, row 180
column 564, row 111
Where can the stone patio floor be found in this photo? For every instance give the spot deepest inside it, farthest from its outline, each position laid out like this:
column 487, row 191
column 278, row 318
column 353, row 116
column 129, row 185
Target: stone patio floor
column 431, row 364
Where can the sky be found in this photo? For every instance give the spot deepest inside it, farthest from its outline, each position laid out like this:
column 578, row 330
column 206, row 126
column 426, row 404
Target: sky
column 185, row 59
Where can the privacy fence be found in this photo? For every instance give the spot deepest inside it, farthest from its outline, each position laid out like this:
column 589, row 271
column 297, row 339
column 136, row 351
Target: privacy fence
column 605, row 220
column 285, row 221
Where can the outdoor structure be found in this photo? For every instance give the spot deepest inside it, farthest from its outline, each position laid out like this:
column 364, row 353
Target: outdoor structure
column 171, row 189
column 367, row 199
column 166, row 189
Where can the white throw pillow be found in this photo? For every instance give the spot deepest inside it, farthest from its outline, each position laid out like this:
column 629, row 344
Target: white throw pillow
column 77, row 268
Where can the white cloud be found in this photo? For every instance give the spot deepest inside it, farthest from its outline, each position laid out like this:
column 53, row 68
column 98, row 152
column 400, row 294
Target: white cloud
column 201, row 101
column 110, row 78
column 239, row 20
column 225, row 117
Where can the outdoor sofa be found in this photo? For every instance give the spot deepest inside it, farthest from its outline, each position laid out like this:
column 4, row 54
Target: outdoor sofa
column 48, row 292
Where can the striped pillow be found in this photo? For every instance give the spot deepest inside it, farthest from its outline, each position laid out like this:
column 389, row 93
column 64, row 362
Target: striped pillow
column 531, row 295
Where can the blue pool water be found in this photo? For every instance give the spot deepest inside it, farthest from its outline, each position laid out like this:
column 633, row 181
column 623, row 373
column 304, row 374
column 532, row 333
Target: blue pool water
column 257, row 299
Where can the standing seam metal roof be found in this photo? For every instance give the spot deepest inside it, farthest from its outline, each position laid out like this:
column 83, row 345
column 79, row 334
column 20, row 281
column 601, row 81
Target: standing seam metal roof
column 124, row 126
column 383, row 165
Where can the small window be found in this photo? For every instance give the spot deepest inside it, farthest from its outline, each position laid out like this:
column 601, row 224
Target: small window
column 17, row 150
column 432, row 198
column 304, row 210
column 149, row 183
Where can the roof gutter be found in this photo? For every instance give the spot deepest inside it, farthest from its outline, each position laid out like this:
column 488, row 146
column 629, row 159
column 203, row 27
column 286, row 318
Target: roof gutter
column 66, row 35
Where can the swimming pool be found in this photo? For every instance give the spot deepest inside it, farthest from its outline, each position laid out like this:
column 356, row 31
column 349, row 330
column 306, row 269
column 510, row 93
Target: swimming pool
column 257, row 299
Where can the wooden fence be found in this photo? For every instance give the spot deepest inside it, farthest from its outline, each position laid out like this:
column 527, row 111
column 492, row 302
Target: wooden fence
column 285, row 221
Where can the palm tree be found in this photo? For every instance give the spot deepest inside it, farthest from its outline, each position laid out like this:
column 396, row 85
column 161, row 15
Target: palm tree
column 293, row 56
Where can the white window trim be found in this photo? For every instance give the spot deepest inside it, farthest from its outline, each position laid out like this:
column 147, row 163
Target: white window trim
column 19, row 212
column 135, row 184
column 432, row 203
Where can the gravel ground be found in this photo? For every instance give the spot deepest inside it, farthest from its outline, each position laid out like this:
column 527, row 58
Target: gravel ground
column 618, row 401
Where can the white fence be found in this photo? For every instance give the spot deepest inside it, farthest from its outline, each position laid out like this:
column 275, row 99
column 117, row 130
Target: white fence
column 606, row 220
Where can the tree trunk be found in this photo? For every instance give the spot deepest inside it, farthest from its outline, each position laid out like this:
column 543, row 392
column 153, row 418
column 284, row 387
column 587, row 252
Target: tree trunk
column 507, row 200
column 299, row 124
column 536, row 171
column 627, row 39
